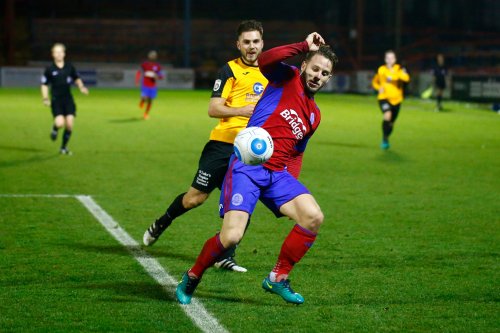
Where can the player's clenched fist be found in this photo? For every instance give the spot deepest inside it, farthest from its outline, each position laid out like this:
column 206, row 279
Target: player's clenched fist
column 314, row 40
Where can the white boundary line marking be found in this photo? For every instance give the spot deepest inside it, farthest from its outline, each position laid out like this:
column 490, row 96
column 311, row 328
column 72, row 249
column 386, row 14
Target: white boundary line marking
column 196, row 311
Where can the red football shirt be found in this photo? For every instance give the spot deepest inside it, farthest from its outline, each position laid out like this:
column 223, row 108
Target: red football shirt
column 285, row 110
column 150, row 66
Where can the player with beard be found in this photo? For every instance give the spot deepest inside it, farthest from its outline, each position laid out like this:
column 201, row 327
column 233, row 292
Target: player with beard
column 238, row 87
column 287, row 110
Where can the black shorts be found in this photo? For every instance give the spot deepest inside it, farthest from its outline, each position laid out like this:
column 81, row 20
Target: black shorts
column 441, row 84
column 212, row 167
column 385, row 106
column 63, row 107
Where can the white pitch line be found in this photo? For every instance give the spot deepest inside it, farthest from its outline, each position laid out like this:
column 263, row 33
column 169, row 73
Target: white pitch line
column 196, row 311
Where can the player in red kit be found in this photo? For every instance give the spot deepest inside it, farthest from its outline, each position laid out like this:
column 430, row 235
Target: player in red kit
column 287, row 110
column 148, row 74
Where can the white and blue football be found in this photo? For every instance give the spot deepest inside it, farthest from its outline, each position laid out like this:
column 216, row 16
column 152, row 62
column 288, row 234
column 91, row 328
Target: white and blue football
column 253, row 146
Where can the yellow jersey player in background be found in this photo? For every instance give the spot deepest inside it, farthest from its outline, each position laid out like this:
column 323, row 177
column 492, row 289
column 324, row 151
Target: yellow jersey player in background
column 389, row 82
column 238, row 87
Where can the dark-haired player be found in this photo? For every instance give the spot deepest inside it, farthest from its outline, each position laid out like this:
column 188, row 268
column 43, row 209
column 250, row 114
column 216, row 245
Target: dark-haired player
column 238, row 87
column 147, row 75
column 389, row 82
column 440, row 72
column 287, row 110
column 60, row 75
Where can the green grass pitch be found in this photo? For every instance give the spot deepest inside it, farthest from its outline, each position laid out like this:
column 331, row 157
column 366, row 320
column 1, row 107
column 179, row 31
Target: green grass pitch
column 410, row 240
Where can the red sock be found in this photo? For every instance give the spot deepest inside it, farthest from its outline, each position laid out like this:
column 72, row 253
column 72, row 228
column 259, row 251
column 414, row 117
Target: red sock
column 212, row 249
column 295, row 246
column 141, row 104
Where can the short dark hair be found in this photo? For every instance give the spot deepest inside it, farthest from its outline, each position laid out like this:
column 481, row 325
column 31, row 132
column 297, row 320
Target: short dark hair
column 327, row 52
column 250, row 25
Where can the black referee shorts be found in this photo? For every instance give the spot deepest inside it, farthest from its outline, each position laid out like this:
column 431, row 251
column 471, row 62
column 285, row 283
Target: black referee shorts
column 212, row 166
column 441, row 84
column 63, row 107
column 385, row 106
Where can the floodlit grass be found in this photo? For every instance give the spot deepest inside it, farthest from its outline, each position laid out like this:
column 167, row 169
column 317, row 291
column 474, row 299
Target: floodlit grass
column 410, row 240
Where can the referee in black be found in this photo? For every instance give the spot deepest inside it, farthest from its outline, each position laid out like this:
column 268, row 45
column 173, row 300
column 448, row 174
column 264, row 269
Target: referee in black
column 440, row 72
column 60, row 75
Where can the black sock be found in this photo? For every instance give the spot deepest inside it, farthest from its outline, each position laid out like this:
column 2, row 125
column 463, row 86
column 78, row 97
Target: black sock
column 175, row 210
column 386, row 129
column 439, row 99
column 66, row 136
column 54, row 128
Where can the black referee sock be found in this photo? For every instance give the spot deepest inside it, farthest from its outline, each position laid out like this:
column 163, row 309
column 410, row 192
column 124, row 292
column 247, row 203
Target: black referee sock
column 66, row 137
column 55, row 128
column 175, row 210
column 386, row 129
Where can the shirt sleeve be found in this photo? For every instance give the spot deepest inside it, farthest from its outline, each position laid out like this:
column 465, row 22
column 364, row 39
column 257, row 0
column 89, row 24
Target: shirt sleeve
column 271, row 61
column 403, row 75
column 224, row 82
column 45, row 79
column 74, row 74
column 376, row 81
column 160, row 72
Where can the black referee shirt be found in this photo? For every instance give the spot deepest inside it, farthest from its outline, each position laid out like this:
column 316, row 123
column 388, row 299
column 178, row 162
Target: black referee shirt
column 60, row 80
column 440, row 73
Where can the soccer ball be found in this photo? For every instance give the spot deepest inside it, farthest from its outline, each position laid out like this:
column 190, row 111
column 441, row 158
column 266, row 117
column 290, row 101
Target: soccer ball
column 253, row 146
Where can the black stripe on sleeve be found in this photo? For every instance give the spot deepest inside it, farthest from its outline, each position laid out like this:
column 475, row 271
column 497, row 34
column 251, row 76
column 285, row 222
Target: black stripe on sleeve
column 223, row 75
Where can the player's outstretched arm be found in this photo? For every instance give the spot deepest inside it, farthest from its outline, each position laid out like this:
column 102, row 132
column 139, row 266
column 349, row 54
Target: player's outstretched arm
column 218, row 109
column 81, row 86
column 376, row 83
column 270, row 61
column 160, row 74
column 138, row 75
column 403, row 75
column 314, row 41
column 45, row 94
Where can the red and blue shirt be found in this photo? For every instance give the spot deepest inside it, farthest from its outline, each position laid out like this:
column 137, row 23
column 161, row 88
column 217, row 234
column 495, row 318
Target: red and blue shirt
column 152, row 66
column 285, row 110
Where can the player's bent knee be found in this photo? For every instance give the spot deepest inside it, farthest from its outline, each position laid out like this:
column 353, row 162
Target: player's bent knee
column 317, row 220
column 194, row 199
column 59, row 122
column 231, row 238
column 313, row 220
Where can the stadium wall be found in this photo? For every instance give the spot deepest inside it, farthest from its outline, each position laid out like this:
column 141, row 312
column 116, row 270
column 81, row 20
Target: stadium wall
column 105, row 77
column 469, row 87
column 481, row 88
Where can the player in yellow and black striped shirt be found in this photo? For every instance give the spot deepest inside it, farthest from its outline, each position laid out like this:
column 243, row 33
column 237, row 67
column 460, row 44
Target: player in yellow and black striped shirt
column 238, row 87
column 389, row 82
